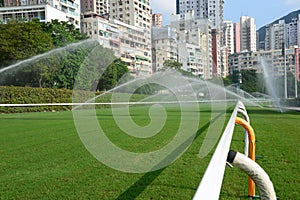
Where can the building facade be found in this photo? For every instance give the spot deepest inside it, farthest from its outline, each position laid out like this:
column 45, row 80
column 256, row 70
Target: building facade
column 25, row 10
column 128, row 42
column 228, row 36
column 216, row 52
column 135, row 13
column 237, row 37
column 224, row 60
column 100, row 7
column 195, row 32
column 208, row 9
column 191, row 59
column 157, row 20
column 282, row 33
column 293, row 32
column 164, row 46
column 275, row 35
column 247, row 34
column 274, row 58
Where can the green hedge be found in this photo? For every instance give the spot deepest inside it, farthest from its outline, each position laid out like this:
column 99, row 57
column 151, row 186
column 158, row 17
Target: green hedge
column 27, row 95
column 291, row 102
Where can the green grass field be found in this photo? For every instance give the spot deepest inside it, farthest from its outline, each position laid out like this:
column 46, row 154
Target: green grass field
column 42, row 157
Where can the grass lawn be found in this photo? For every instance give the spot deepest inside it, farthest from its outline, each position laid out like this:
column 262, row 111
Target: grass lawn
column 42, row 157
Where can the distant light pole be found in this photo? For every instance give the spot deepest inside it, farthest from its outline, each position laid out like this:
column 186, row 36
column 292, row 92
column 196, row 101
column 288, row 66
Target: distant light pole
column 285, row 78
column 296, row 53
column 296, row 89
column 239, row 80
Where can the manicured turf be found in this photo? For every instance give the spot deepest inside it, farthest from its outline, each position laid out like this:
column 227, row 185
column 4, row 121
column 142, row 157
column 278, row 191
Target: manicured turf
column 42, row 157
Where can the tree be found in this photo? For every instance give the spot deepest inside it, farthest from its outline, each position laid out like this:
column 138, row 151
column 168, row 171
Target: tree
column 249, row 80
column 112, row 74
column 55, row 70
column 172, row 64
column 227, row 81
column 19, row 41
column 62, row 33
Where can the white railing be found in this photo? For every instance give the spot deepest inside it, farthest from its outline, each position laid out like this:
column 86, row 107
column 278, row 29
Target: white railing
column 211, row 183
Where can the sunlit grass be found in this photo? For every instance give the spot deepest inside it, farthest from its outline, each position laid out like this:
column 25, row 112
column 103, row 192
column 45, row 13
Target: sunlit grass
column 42, row 157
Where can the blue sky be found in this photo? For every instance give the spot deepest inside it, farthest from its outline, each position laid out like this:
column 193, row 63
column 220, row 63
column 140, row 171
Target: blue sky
column 263, row 11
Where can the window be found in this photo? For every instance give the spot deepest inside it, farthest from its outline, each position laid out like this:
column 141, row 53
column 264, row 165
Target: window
column 32, row 15
column 42, row 17
column 6, row 17
column 20, row 16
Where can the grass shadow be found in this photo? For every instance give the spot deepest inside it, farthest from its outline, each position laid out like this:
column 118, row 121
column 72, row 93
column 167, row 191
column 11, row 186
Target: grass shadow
column 140, row 185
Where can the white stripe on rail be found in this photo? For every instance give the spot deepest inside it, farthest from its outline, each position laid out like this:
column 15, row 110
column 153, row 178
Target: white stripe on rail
column 211, row 182
column 109, row 103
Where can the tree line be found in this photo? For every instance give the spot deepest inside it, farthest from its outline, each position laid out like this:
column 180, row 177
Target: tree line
column 64, row 51
column 251, row 81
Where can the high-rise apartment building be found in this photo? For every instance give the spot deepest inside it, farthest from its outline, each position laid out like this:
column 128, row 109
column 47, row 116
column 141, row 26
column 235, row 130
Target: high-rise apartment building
column 128, row 42
column 216, row 52
column 247, row 33
column 287, row 32
column 25, row 10
column 100, row 7
column 292, row 32
column 228, row 36
column 196, row 33
column 206, row 9
column 136, row 13
column 209, row 9
column 157, row 20
column 164, row 46
column 191, row 57
column 237, row 37
column 282, row 32
column 275, row 35
column 224, row 61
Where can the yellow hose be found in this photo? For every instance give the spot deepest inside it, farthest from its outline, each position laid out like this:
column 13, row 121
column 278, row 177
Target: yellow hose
column 251, row 136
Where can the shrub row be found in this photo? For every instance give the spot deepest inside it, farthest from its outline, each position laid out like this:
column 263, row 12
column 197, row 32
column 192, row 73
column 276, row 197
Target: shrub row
column 291, row 102
column 30, row 95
